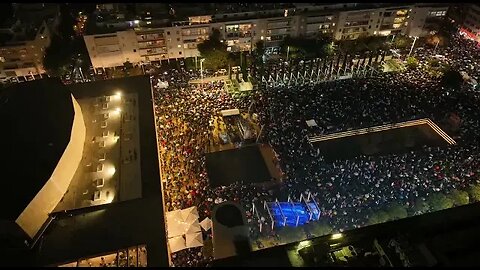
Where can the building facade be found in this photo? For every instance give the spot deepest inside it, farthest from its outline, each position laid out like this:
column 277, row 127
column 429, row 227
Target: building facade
column 240, row 31
column 21, row 55
column 471, row 24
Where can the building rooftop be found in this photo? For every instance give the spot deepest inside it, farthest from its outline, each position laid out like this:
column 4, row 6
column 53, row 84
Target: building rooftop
column 99, row 229
column 36, row 121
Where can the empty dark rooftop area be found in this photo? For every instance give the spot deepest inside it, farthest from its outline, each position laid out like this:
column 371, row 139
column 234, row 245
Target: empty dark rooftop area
column 241, row 164
column 380, row 143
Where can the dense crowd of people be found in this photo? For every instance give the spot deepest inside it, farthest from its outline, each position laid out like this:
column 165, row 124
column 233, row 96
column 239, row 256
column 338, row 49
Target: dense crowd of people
column 347, row 190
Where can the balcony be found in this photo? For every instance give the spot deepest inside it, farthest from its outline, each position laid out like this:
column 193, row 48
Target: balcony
column 238, row 35
column 151, row 37
column 355, row 23
column 152, row 44
column 153, row 51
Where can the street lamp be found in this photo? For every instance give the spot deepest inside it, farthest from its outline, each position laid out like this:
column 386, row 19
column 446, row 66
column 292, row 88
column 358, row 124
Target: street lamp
column 413, row 44
column 201, row 69
column 288, row 51
column 436, row 45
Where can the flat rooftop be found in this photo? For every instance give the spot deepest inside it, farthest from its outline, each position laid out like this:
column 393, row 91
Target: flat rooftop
column 108, row 227
column 110, row 168
column 234, row 165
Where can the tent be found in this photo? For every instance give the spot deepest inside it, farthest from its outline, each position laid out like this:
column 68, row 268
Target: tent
column 206, row 224
column 175, row 224
column 180, row 222
column 176, row 243
column 189, row 213
column 194, row 240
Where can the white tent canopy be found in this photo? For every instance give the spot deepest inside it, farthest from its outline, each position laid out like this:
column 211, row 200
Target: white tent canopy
column 180, row 222
column 311, row 123
column 190, row 213
column 175, row 224
column 194, row 240
column 176, row 244
column 206, row 224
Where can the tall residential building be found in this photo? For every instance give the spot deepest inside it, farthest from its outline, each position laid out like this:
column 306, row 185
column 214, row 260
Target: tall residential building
column 24, row 38
column 22, row 49
column 154, row 36
column 471, row 24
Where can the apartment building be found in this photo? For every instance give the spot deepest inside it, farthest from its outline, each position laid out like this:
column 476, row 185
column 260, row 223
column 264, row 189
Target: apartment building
column 379, row 21
column 24, row 38
column 22, row 50
column 423, row 17
column 471, row 24
column 242, row 29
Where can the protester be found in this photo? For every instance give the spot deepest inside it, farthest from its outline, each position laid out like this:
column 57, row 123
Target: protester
column 345, row 189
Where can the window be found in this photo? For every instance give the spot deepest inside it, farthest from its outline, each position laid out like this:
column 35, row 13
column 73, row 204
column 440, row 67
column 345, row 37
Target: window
column 180, row 53
column 168, row 32
column 178, row 39
column 134, row 50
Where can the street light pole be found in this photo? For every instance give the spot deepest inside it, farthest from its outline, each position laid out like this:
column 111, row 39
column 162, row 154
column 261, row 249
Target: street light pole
column 201, row 69
column 413, row 44
column 436, row 45
column 288, row 51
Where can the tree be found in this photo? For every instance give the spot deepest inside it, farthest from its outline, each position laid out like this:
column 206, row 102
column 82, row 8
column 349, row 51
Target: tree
column 290, row 234
column 375, row 43
column 420, row 206
column 214, row 52
column 474, row 192
column 459, row 197
column 438, row 201
column 402, row 42
column 306, row 47
column 259, row 50
column 127, row 65
column 378, row 217
column 65, row 50
column 57, row 56
column 412, row 62
column 319, row 228
column 452, row 78
column 397, row 211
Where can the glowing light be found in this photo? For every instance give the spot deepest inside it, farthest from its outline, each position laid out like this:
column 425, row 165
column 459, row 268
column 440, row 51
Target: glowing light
column 118, row 110
column 111, row 171
column 136, row 21
column 337, row 236
column 304, row 244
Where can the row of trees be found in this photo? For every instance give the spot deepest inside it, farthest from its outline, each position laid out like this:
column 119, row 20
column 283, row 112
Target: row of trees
column 434, row 202
column 66, row 49
column 395, row 211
